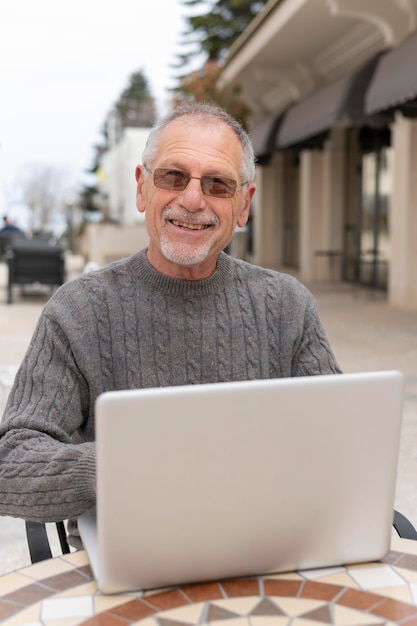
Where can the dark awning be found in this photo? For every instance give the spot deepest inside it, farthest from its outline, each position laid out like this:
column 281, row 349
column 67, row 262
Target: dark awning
column 263, row 137
column 395, row 79
column 341, row 102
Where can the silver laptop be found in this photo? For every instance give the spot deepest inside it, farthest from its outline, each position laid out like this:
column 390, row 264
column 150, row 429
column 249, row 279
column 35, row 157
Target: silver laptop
column 206, row 482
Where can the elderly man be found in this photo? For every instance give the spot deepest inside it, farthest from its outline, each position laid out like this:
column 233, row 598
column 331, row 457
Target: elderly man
column 180, row 312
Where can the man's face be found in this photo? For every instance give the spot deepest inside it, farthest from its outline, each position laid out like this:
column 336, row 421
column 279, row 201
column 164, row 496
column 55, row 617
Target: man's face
column 187, row 229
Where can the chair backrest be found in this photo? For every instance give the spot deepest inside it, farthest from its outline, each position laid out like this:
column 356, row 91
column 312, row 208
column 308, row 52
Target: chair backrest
column 404, row 527
column 8, row 237
column 38, row 542
column 34, row 261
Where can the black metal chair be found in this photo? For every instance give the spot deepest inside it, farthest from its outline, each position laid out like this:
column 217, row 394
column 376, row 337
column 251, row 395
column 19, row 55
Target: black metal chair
column 33, row 261
column 403, row 526
column 7, row 238
column 38, row 541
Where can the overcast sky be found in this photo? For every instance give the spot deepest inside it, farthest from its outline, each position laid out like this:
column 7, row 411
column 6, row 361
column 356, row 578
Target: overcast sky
column 62, row 67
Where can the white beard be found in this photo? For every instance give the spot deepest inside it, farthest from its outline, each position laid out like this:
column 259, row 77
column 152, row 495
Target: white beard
column 183, row 254
column 180, row 253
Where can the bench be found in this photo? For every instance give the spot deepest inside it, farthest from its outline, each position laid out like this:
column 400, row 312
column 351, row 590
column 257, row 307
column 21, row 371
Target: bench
column 7, row 238
column 34, row 261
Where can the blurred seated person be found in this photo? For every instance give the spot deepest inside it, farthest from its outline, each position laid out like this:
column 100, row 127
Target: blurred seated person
column 8, row 233
column 179, row 312
column 10, row 226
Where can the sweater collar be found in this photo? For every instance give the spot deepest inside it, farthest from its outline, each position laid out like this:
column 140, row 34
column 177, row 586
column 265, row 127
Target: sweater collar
column 174, row 286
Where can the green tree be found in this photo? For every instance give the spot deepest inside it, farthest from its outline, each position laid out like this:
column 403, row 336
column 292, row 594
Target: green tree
column 217, row 26
column 213, row 27
column 136, row 106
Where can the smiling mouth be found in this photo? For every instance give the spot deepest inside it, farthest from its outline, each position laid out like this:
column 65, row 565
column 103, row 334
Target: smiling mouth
column 189, row 226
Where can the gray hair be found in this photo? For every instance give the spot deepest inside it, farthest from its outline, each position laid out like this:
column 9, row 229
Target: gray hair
column 202, row 112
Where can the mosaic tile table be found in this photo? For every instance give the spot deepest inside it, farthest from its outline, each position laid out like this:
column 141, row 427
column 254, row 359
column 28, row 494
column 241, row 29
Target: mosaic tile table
column 61, row 591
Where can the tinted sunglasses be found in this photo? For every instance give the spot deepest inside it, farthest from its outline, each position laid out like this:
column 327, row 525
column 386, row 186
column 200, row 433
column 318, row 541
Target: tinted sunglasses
column 177, row 180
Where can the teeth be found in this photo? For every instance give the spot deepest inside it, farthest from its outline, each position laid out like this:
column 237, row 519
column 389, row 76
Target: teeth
column 190, row 226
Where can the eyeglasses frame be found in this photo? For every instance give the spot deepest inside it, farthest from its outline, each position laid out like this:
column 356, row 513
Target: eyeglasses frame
column 200, row 178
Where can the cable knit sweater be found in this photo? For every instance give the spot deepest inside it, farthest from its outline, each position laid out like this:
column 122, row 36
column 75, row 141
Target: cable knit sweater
column 128, row 326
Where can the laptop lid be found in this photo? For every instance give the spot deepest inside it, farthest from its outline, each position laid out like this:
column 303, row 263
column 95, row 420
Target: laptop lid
column 233, row 479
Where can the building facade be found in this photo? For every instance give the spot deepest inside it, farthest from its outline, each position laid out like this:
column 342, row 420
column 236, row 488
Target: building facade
column 332, row 85
column 117, row 183
column 122, row 231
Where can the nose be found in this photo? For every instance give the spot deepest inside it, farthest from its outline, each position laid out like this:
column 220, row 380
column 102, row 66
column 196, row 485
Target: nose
column 192, row 197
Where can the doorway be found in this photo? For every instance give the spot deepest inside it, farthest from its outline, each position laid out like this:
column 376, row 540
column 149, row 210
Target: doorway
column 368, row 194
column 291, row 236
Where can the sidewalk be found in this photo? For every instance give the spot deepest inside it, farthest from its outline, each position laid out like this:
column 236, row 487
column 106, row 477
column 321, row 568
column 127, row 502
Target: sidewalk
column 365, row 332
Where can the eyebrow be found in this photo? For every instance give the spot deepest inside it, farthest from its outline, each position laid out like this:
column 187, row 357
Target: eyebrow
column 212, row 174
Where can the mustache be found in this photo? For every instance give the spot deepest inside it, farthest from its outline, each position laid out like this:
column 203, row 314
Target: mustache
column 190, row 217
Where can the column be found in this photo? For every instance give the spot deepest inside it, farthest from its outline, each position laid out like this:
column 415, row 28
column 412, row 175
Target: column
column 311, row 211
column 402, row 286
column 333, row 206
column 267, row 217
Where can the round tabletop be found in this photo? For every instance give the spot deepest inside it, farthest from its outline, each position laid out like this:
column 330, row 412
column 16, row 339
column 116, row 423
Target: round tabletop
column 62, row 591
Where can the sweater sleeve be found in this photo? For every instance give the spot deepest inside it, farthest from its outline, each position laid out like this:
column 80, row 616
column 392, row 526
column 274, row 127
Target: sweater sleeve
column 313, row 355
column 47, row 453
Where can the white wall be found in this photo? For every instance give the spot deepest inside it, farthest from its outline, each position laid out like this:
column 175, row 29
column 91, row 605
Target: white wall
column 104, row 243
column 118, row 175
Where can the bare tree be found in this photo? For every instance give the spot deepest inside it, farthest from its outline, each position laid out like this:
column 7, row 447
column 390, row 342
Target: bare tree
column 43, row 189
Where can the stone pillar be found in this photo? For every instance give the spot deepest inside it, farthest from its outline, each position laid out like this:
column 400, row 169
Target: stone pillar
column 402, row 285
column 311, row 211
column 267, row 215
column 333, row 207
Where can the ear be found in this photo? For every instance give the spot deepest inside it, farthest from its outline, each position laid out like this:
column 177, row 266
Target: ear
column 140, row 179
column 245, row 209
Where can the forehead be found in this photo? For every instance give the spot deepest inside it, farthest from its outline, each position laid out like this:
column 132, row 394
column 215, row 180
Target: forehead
column 188, row 142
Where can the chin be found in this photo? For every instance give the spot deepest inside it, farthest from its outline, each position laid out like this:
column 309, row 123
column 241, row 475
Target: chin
column 184, row 256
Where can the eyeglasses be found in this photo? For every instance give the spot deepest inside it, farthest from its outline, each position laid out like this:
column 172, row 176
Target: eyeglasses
column 177, row 180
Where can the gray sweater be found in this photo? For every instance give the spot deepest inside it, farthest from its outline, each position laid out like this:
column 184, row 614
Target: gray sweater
column 128, row 326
